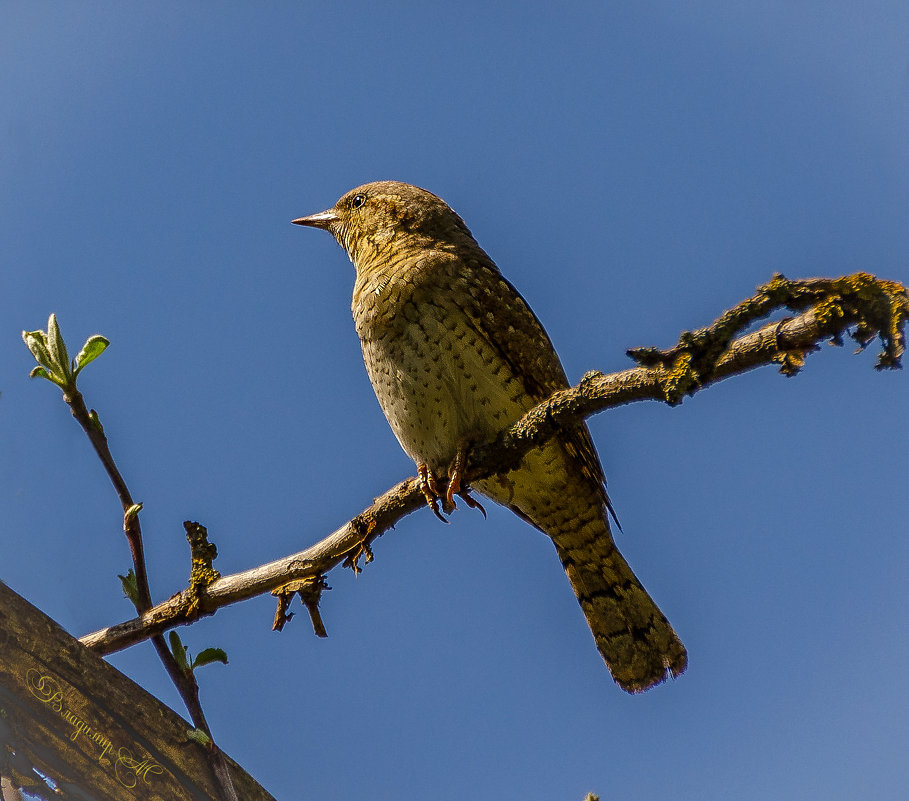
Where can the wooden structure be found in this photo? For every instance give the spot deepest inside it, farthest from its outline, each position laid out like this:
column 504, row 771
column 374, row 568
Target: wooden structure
column 74, row 727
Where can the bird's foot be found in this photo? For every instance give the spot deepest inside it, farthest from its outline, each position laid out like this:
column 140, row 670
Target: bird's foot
column 455, row 474
column 430, row 490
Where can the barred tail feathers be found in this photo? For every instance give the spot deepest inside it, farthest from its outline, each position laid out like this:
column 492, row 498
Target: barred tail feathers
column 637, row 642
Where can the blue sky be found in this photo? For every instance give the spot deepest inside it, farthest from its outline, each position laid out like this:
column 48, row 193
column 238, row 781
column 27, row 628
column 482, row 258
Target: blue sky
column 634, row 169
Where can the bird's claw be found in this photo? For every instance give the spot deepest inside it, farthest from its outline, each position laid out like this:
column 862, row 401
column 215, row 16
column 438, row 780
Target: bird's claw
column 456, row 473
column 430, row 490
column 471, row 502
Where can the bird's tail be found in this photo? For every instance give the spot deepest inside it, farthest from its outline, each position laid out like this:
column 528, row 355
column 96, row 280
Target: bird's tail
column 635, row 639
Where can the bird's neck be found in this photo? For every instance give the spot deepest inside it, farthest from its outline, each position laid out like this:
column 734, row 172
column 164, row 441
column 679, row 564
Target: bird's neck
column 384, row 262
column 388, row 277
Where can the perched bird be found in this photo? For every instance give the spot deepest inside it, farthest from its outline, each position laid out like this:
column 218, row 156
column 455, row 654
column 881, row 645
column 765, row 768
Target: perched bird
column 455, row 356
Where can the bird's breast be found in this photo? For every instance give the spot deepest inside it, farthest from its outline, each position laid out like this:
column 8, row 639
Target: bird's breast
column 439, row 381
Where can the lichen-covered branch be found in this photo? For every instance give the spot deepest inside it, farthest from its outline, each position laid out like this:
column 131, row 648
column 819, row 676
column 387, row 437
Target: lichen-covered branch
column 860, row 305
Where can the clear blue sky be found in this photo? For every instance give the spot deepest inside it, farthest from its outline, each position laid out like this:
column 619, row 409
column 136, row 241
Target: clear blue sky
column 634, row 169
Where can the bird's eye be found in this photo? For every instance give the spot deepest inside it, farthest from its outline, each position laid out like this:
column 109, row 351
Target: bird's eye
column 358, row 200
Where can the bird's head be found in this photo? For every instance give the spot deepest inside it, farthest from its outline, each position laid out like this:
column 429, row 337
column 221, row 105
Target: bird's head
column 387, row 217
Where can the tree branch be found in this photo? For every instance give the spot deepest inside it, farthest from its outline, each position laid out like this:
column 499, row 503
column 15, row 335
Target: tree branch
column 829, row 307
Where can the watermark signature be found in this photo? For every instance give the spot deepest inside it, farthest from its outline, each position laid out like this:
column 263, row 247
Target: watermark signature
column 126, row 767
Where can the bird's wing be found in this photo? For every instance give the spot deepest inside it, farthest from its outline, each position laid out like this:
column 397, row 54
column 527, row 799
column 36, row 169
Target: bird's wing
column 505, row 320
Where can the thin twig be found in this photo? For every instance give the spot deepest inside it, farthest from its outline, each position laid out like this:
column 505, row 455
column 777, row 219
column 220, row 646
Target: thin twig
column 184, row 681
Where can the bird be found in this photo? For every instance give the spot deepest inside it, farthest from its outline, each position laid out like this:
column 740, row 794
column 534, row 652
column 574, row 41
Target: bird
column 455, row 355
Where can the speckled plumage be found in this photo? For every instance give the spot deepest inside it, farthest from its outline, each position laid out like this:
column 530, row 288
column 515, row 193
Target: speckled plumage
column 455, row 355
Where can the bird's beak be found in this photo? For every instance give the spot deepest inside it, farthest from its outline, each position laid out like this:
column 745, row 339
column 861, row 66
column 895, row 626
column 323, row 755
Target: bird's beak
column 324, row 219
